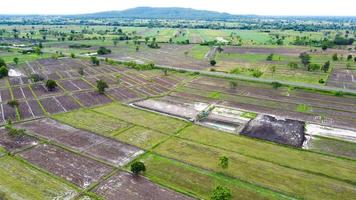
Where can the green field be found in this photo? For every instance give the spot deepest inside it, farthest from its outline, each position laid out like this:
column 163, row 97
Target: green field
column 20, row 181
column 141, row 137
column 284, row 156
column 143, row 118
column 92, row 121
column 292, row 182
column 200, row 183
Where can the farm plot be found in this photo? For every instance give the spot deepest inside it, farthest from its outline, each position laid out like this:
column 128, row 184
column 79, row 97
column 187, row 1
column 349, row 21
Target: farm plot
column 63, row 134
column 333, row 147
column 5, row 95
column 35, row 108
column 92, row 121
column 89, row 99
column 67, row 102
column 282, row 155
column 72, row 167
column 8, row 112
column 342, row 78
column 15, row 143
column 123, row 94
column 126, row 186
column 151, row 120
column 40, row 90
column 141, row 137
column 21, row 181
column 52, row 105
column 258, row 172
column 25, row 110
column 179, row 110
column 18, row 81
column 114, row 152
column 200, row 183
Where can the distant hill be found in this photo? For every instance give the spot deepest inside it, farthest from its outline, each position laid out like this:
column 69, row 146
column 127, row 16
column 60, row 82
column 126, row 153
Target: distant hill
column 163, row 13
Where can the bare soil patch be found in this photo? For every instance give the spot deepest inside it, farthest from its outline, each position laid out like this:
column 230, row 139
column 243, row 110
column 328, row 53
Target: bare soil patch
column 72, row 167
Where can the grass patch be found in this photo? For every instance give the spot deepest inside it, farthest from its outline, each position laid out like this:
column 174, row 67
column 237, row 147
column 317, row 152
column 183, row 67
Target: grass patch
column 303, row 108
column 283, row 179
column 144, row 118
column 249, row 115
column 92, row 121
column 198, row 182
column 214, row 95
column 141, row 137
column 21, row 181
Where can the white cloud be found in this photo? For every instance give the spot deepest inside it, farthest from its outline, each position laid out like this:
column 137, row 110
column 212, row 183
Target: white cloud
column 260, row 7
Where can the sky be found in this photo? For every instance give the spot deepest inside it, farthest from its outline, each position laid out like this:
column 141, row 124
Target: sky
column 259, row 7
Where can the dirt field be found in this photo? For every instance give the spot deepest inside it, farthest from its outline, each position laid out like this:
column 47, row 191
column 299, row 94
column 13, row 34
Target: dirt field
column 16, row 143
column 126, row 186
column 72, row 167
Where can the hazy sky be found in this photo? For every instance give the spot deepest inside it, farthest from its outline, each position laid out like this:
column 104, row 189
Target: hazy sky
column 260, row 7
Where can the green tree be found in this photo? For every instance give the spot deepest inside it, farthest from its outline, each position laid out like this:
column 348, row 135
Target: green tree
column 305, row 59
column 335, row 57
column 221, row 193
column 138, row 167
column 349, row 57
column 13, row 103
column 273, row 70
column 326, row 66
column 16, row 60
column 224, row 162
column 51, row 85
column 101, row 86
column 72, row 55
column 212, row 62
column 3, row 71
column 95, row 60
column 270, row 57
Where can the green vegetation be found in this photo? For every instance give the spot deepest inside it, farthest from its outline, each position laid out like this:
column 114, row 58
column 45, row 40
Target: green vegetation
column 143, row 118
column 200, row 183
column 138, row 167
column 303, row 108
column 92, row 121
column 141, row 137
column 257, row 171
column 249, row 115
column 51, row 85
column 101, row 86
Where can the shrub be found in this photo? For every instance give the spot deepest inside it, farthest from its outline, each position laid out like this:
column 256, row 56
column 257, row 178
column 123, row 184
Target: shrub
column 13, row 103
column 103, row 51
column 313, row 67
column 138, row 167
column 101, row 86
column 257, row 73
column 3, row 71
column 36, row 77
column 221, row 193
column 51, row 85
column 224, row 162
column 212, row 62
column 293, row 65
column 321, row 81
column 276, row 85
